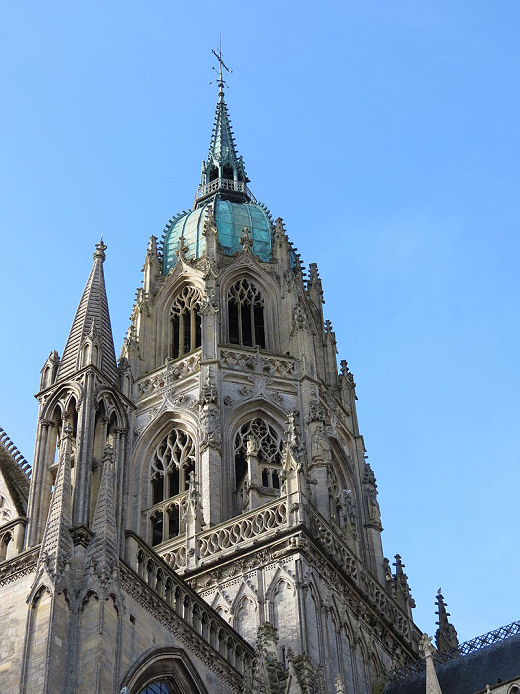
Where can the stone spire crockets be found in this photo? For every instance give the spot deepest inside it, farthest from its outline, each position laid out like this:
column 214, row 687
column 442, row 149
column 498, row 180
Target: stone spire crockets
column 90, row 339
column 102, row 552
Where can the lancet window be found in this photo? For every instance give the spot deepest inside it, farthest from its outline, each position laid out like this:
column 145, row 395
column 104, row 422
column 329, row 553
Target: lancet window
column 172, row 462
column 261, row 438
column 246, row 315
column 185, row 322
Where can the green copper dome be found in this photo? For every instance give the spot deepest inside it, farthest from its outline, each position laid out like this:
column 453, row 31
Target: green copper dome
column 223, row 184
column 231, row 218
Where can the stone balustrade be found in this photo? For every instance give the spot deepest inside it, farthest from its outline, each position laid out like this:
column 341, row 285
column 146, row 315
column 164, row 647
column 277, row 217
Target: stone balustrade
column 187, row 605
column 261, row 522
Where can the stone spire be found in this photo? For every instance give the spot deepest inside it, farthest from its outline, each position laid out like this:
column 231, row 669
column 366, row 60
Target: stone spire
column 91, row 326
column 102, row 554
column 57, row 547
column 446, row 635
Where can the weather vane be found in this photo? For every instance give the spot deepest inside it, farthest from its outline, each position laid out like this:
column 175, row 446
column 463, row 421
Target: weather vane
column 222, row 64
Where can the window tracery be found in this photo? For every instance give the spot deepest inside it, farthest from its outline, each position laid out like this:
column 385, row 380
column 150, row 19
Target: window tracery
column 246, row 314
column 267, row 444
column 172, row 462
column 185, row 322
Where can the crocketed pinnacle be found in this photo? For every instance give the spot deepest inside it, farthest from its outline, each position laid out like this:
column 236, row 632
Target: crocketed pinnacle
column 91, row 324
column 57, row 546
column 446, row 635
column 102, row 554
column 222, row 147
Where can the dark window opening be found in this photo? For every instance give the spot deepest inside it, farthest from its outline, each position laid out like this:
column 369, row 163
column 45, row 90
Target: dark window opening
column 157, row 490
column 234, row 336
column 213, row 173
column 174, row 482
column 240, row 469
column 157, row 531
column 227, row 172
column 246, row 321
column 173, row 522
column 265, row 478
column 247, row 328
column 259, row 326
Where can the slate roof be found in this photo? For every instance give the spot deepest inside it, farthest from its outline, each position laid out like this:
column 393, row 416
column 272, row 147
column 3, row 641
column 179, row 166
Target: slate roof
column 15, row 470
column 469, row 674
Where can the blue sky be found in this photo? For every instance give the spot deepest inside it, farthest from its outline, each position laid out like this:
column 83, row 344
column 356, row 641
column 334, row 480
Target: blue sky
column 386, row 135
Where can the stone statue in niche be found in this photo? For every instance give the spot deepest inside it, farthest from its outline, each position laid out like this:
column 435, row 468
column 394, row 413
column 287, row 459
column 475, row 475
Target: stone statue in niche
column 320, row 447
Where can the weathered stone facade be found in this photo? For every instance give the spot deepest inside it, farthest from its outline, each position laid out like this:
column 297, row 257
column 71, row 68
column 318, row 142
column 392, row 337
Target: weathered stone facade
column 202, row 513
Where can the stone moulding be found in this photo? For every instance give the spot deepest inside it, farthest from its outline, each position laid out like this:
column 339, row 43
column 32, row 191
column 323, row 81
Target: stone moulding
column 20, row 565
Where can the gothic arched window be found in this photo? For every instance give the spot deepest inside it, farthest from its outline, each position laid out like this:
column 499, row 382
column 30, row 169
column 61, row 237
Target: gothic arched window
column 172, row 463
column 268, row 449
column 246, row 314
column 185, row 322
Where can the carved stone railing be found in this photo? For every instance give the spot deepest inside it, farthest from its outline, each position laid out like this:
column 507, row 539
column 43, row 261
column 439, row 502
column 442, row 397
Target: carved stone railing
column 270, row 520
column 257, row 362
column 187, row 605
column 341, row 554
column 244, row 528
column 169, row 375
column 261, row 522
column 224, row 184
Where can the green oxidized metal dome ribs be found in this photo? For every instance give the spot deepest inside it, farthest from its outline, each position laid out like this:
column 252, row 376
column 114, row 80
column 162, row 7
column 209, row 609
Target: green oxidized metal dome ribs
column 231, row 218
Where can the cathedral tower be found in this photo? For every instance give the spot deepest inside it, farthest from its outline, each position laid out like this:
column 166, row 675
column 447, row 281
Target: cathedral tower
column 201, row 515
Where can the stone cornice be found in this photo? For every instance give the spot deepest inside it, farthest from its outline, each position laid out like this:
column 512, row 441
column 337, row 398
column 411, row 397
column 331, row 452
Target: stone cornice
column 19, row 566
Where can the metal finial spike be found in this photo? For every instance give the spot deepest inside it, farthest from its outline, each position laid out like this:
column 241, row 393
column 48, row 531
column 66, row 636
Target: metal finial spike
column 222, row 64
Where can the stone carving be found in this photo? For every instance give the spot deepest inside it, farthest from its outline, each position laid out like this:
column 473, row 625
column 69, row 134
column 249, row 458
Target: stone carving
column 209, row 428
column 320, row 446
column 208, row 392
column 210, row 304
column 370, row 489
column 245, row 361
